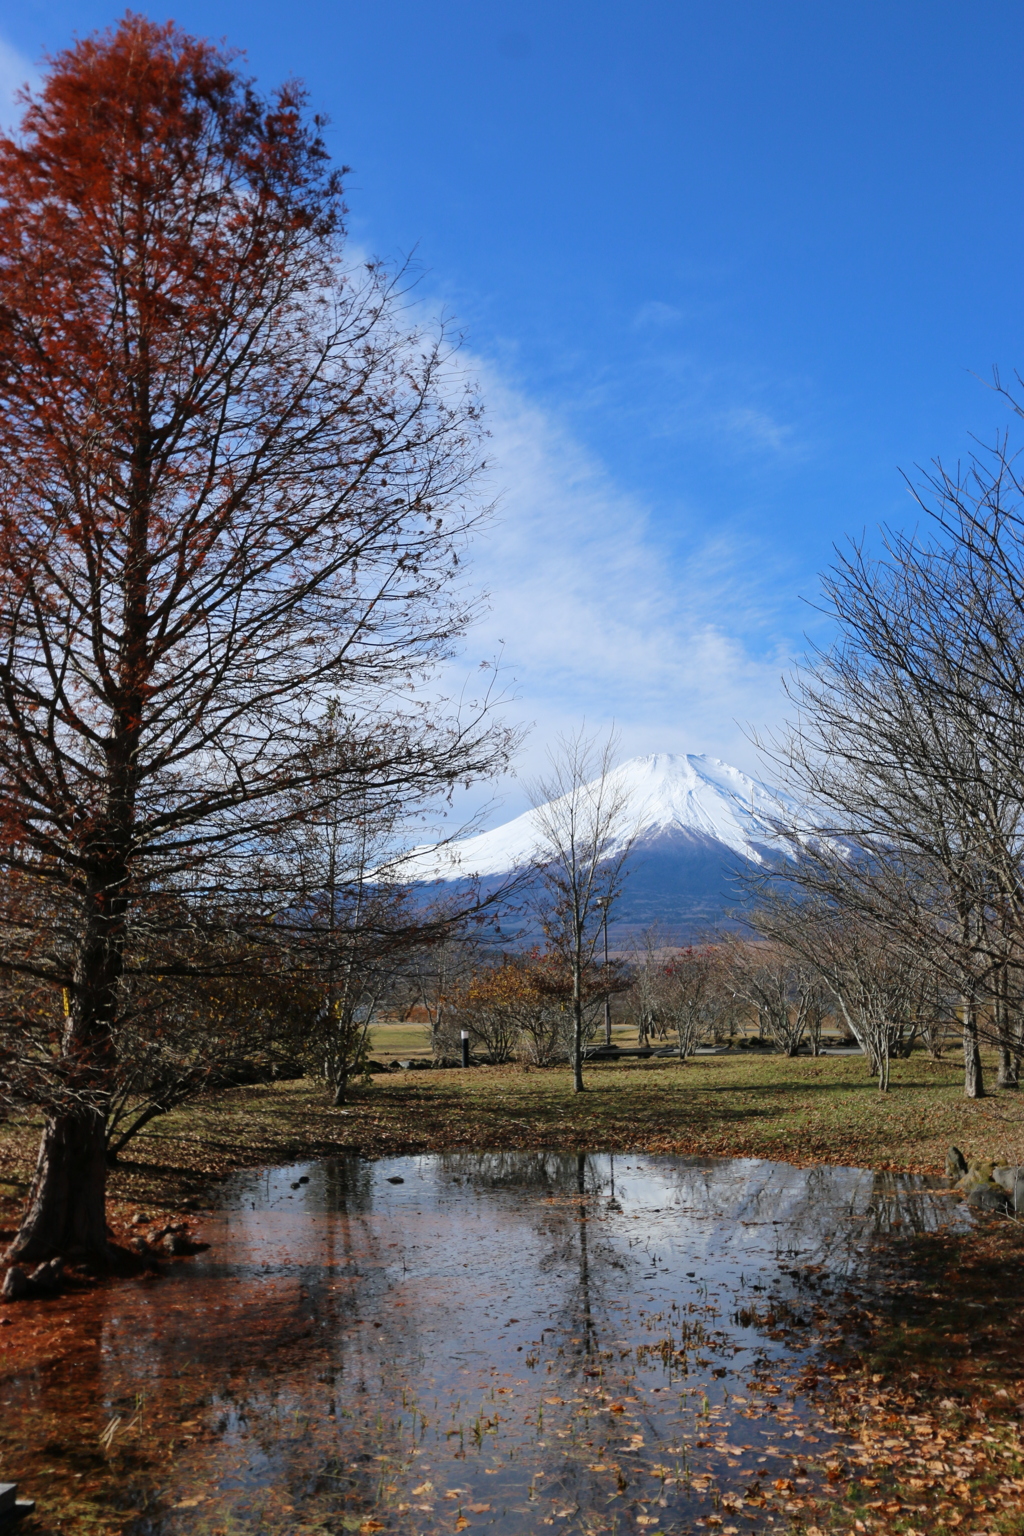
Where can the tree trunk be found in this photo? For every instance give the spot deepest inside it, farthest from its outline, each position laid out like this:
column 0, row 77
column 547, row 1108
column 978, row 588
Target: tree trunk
column 577, row 1016
column 66, row 1211
column 66, row 1207
column 974, row 1084
column 1007, row 1074
column 1009, row 1067
column 340, row 1089
column 577, row 1046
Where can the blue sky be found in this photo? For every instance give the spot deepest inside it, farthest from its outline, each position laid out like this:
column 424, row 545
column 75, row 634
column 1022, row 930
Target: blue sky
column 723, row 271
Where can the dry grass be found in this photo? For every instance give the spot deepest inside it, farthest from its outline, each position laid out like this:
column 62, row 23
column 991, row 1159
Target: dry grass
column 800, row 1111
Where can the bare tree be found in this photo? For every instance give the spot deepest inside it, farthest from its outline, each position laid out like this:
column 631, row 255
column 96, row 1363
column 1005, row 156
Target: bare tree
column 344, row 923
column 584, row 838
column 909, row 741
column 234, row 484
column 647, row 964
column 784, row 994
column 691, row 999
column 882, row 992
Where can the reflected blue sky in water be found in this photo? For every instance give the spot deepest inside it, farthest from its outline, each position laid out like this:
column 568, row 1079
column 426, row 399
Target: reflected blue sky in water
column 507, row 1340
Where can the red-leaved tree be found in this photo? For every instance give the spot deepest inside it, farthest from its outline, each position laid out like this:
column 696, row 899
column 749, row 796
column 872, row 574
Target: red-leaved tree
column 232, row 484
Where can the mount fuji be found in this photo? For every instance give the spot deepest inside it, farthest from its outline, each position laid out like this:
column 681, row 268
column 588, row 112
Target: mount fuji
column 698, row 825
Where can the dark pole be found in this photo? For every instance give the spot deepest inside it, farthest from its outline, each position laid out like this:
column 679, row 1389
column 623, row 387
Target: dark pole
column 465, row 1047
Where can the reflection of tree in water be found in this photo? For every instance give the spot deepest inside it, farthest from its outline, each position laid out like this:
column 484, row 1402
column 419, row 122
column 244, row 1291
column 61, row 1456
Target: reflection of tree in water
column 301, row 1358
column 820, row 1213
column 572, row 1182
column 553, row 1173
column 346, row 1185
column 324, row 1363
column 294, row 1371
column 908, row 1201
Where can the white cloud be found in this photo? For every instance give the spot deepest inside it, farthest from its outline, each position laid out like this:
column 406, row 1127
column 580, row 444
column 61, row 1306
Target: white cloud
column 757, row 429
column 605, row 617
column 657, row 313
column 695, row 402
column 15, row 72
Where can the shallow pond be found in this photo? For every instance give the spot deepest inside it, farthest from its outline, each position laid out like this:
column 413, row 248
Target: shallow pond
column 500, row 1342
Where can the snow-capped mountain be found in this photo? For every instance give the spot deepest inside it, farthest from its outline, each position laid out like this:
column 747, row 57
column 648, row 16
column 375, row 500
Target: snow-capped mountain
column 697, row 823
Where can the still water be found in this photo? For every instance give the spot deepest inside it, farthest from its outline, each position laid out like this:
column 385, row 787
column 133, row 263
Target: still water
column 499, row 1342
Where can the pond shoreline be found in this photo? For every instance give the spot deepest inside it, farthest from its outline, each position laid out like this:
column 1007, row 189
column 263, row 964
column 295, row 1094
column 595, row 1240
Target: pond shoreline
column 924, row 1379
column 802, row 1111
column 858, row 1329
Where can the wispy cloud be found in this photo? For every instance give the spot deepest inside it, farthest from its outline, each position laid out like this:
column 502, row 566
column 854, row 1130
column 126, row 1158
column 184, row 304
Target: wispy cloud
column 739, row 410
column 15, row 72
column 756, row 428
column 601, row 617
column 657, row 314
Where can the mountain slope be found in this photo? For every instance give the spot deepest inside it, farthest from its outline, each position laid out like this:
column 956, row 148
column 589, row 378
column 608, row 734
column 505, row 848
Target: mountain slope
column 699, row 822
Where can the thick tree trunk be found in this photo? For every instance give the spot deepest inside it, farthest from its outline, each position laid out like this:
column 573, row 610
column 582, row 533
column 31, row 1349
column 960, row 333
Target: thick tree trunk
column 66, row 1207
column 66, row 1211
column 340, row 1089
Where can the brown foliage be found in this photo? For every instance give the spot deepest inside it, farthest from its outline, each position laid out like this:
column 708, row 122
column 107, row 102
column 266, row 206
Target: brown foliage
column 232, row 486
column 521, row 1006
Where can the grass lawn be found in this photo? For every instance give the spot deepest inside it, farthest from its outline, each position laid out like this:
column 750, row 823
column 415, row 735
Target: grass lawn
column 402, row 1041
column 804, row 1111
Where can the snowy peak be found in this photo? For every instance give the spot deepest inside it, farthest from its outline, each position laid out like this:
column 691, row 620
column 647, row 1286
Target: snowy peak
column 669, row 799
column 701, row 795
